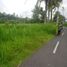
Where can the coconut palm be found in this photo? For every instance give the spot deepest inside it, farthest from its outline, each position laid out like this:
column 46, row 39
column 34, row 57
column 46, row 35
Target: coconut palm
column 52, row 4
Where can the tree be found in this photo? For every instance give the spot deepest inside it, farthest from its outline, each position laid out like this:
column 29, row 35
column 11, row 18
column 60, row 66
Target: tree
column 61, row 17
column 52, row 4
column 36, row 13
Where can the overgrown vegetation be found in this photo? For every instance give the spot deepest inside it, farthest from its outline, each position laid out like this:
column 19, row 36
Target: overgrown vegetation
column 18, row 41
column 19, row 38
column 47, row 14
column 65, row 24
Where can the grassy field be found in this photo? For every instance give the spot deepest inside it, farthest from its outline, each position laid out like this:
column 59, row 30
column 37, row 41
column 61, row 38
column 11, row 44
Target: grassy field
column 18, row 41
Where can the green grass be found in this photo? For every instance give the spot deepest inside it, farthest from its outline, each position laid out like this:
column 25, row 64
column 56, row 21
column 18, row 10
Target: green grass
column 17, row 42
column 65, row 24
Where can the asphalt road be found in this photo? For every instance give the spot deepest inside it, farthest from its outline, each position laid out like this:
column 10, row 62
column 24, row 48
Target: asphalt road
column 54, row 54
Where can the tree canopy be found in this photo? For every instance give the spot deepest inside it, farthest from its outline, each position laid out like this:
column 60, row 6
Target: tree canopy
column 50, row 5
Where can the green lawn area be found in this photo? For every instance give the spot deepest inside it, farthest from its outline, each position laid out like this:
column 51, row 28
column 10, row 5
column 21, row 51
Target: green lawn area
column 18, row 41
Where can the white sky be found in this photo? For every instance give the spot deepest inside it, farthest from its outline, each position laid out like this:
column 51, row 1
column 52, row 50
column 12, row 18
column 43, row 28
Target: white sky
column 22, row 7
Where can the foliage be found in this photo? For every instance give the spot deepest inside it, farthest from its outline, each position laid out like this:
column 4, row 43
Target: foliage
column 50, row 5
column 5, row 17
column 18, row 41
column 36, row 12
column 8, row 18
column 61, row 17
column 65, row 24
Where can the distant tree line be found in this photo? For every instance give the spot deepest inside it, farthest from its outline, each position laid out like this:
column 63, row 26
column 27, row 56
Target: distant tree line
column 38, row 17
column 8, row 18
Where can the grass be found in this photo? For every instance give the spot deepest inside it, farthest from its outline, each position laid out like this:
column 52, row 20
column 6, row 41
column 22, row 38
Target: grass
column 65, row 24
column 19, row 41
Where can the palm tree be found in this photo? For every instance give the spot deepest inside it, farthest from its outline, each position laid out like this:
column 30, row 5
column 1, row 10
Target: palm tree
column 49, row 6
column 52, row 5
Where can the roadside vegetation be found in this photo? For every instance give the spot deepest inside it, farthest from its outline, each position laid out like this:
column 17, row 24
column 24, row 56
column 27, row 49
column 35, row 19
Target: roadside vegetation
column 65, row 24
column 18, row 41
column 21, row 37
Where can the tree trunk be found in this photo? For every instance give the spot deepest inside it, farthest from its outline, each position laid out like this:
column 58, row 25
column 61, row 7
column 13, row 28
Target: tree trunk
column 51, row 14
column 48, row 15
column 45, row 11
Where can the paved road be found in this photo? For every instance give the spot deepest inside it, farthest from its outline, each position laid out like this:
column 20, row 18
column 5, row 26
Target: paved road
column 54, row 54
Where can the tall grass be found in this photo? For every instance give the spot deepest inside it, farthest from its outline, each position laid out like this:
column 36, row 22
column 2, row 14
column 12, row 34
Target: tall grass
column 19, row 41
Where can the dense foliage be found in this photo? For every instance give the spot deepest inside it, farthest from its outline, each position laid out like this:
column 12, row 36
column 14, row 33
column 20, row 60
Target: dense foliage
column 18, row 41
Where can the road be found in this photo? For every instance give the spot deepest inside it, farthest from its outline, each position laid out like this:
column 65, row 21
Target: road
column 54, row 54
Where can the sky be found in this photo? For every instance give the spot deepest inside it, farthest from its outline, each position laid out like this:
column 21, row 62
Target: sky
column 23, row 8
